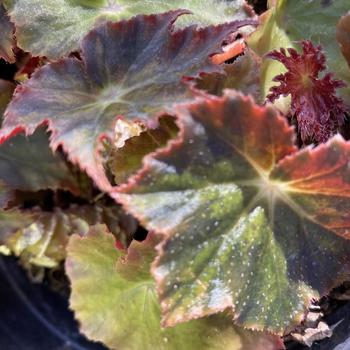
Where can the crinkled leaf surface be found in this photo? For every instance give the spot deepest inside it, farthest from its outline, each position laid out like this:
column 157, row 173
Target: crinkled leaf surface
column 28, row 164
column 289, row 21
column 242, row 230
column 114, row 299
column 7, row 41
column 54, row 28
column 130, row 68
column 43, row 241
column 127, row 160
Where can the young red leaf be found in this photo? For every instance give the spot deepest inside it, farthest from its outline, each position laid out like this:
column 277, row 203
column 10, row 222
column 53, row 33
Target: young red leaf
column 130, row 68
column 7, row 41
column 114, row 299
column 237, row 234
column 319, row 112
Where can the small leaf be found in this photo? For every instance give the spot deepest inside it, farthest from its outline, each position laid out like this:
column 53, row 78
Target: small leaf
column 127, row 160
column 319, row 112
column 7, row 41
column 249, row 223
column 289, row 21
column 43, row 241
column 114, row 299
column 241, row 75
column 131, row 69
column 54, row 28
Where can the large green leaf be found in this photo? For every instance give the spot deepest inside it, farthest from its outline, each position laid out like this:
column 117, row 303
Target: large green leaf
column 289, row 21
column 249, row 223
column 114, row 299
column 131, row 68
column 7, row 41
column 54, row 28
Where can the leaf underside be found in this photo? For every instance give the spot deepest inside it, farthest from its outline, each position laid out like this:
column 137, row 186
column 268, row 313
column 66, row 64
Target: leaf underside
column 249, row 223
column 130, row 68
column 54, row 28
column 114, row 299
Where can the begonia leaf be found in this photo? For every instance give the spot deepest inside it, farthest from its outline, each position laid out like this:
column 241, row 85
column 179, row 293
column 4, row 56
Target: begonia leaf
column 127, row 160
column 289, row 21
column 343, row 36
column 114, row 299
column 54, row 28
column 5, row 194
column 7, row 41
column 43, row 241
column 130, row 68
column 241, row 75
column 249, row 223
column 6, row 91
column 28, row 164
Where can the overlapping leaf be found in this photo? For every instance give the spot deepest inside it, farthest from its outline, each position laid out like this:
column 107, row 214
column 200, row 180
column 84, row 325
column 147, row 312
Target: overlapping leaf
column 54, row 28
column 43, row 240
column 28, row 164
column 131, row 68
column 241, row 75
column 7, row 41
column 127, row 160
column 114, row 299
column 289, row 21
column 6, row 91
column 249, row 223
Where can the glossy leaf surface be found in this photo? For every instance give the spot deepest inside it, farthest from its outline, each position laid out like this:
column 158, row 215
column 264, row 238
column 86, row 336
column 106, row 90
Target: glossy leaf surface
column 114, row 299
column 249, row 223
column 131, row 69
column 290, row 21
column 54, row 28
column 7, row 41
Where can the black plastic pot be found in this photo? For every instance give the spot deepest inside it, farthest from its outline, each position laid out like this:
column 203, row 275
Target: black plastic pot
column 33, row 317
